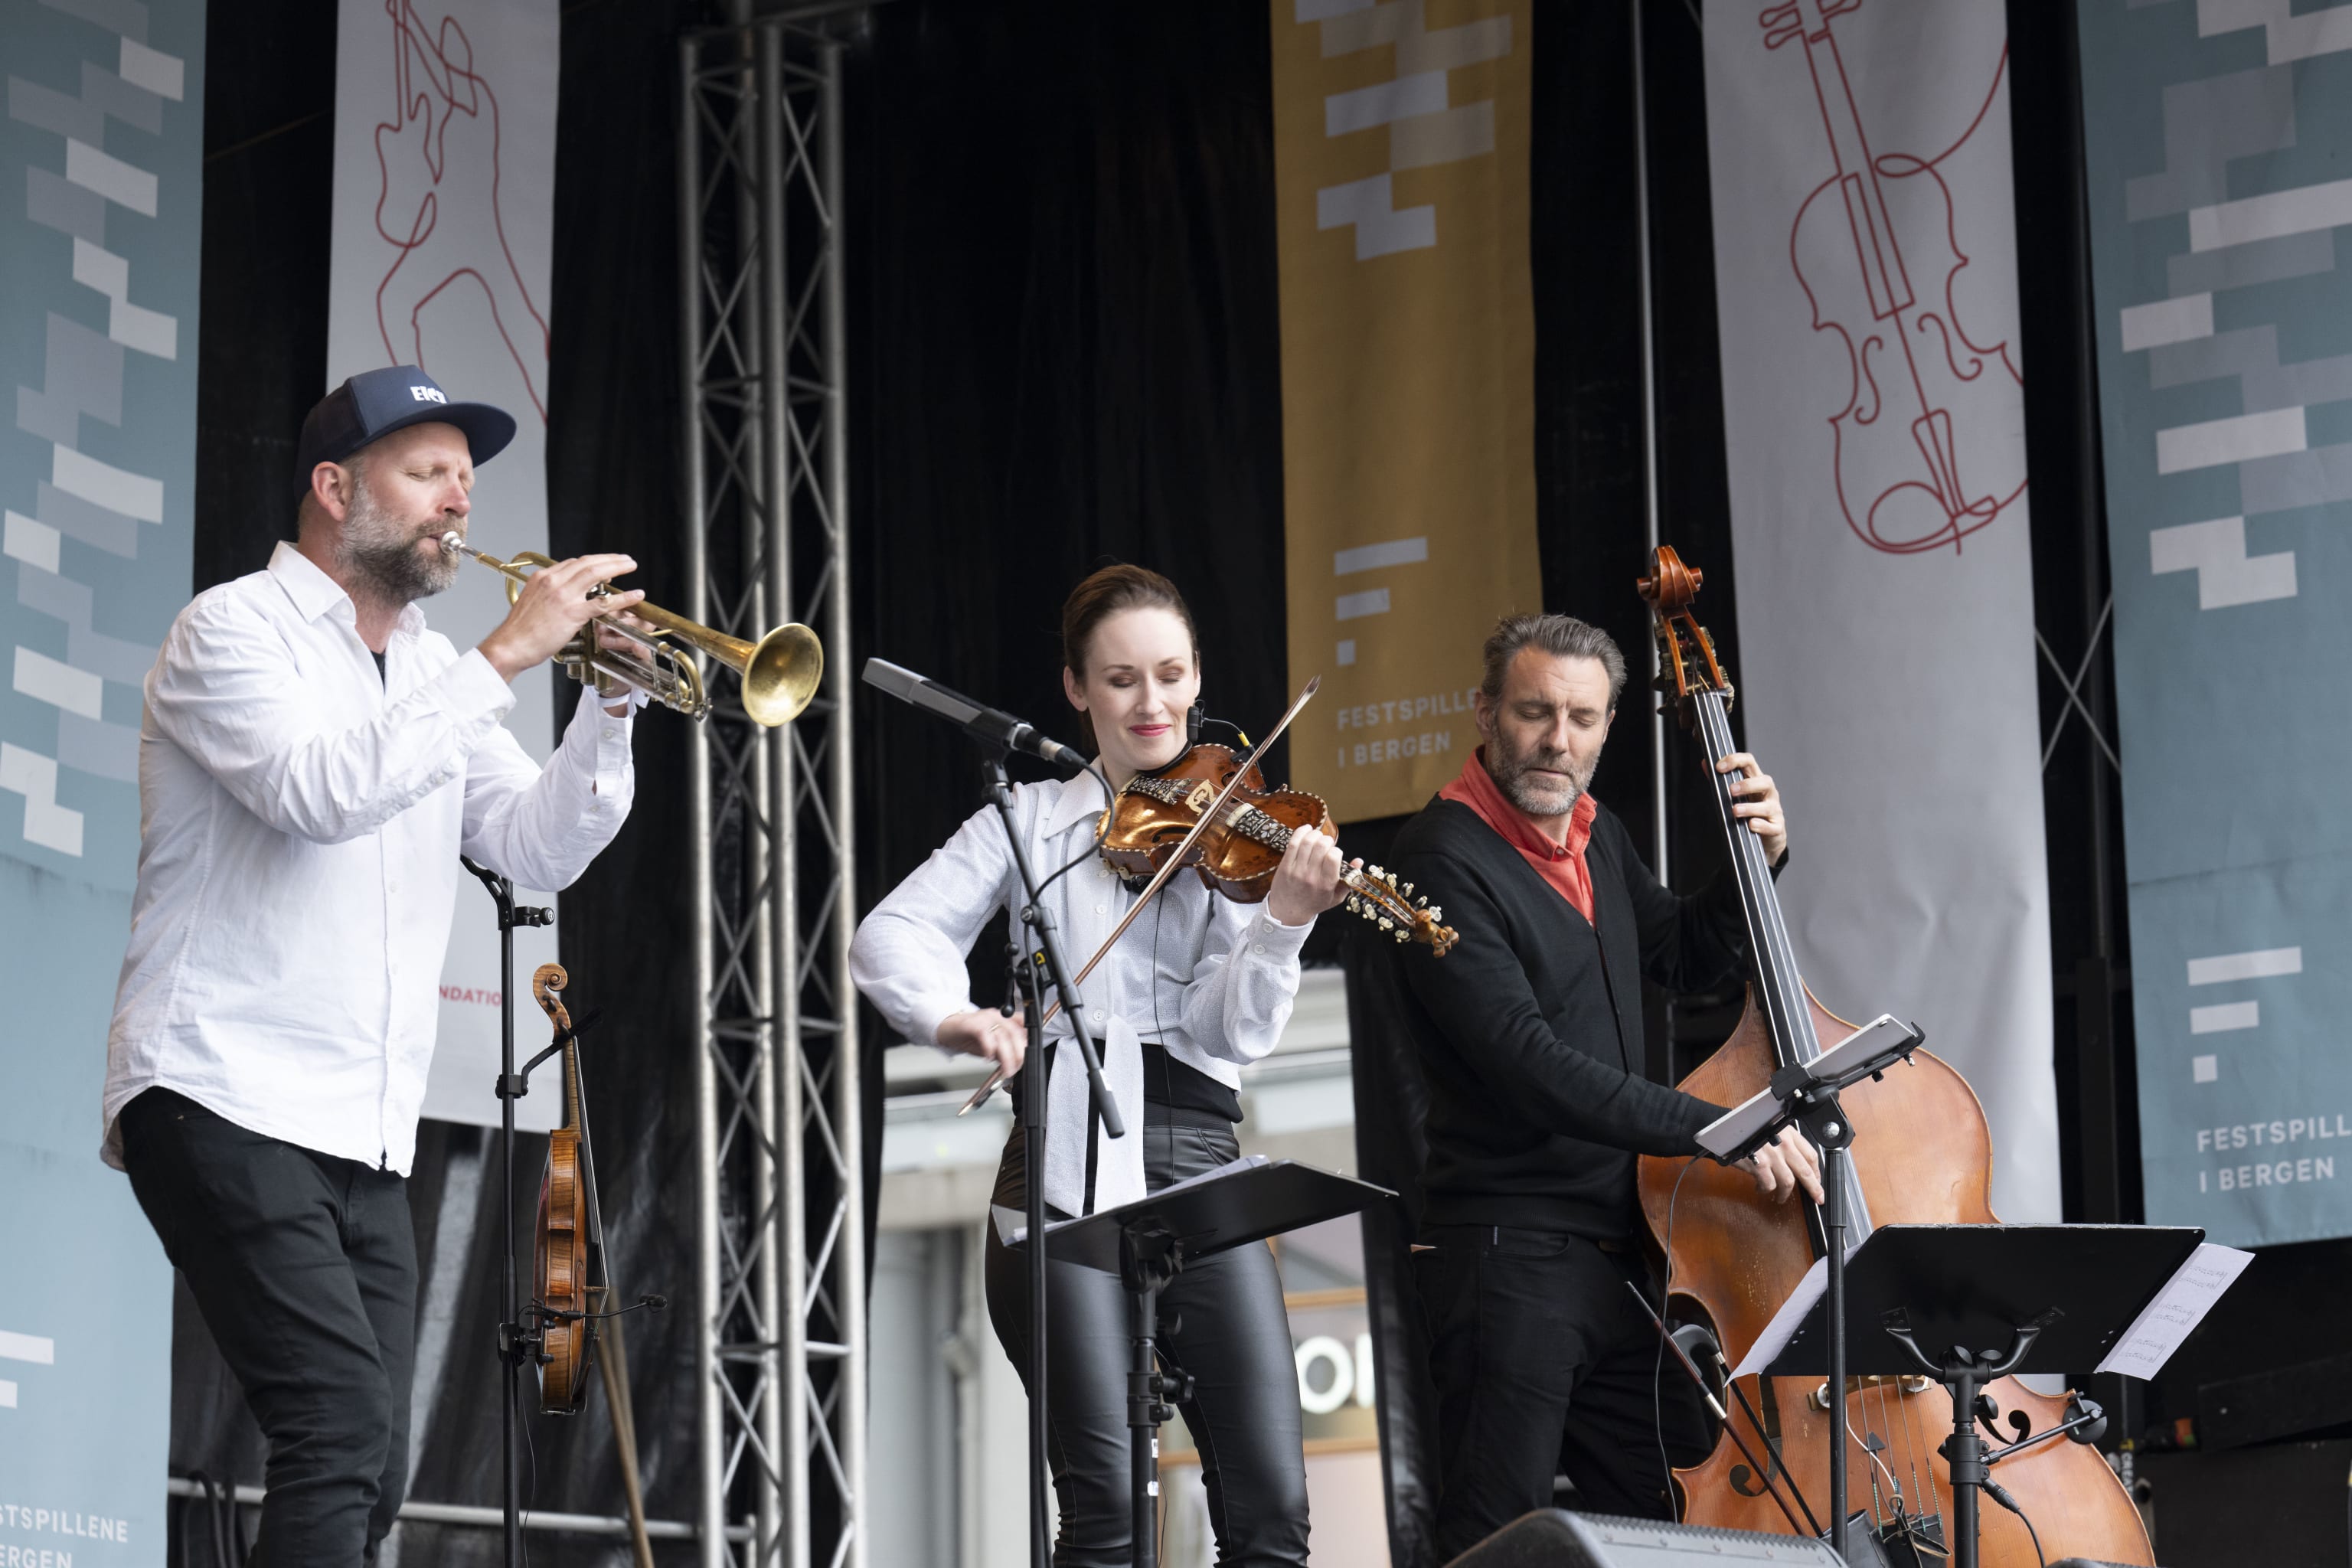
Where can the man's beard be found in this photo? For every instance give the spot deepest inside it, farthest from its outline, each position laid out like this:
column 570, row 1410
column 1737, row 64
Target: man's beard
column 379, row 550
column 1546, row 796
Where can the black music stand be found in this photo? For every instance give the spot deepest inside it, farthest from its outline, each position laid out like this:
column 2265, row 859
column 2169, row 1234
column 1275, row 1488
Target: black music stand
column 1805, row 1094
column 1147, row 1242
column 2046, row 1298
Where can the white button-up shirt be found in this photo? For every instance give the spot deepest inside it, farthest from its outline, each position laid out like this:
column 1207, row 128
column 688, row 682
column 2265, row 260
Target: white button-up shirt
column 1212, row 980
column 300, row 821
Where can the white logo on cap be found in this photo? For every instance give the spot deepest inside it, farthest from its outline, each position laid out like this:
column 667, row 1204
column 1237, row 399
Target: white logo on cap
column 428, row 394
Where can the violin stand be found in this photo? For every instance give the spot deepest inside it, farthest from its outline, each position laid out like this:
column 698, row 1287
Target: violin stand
column 2053, row 1298
column 515, row 1344
column 1147, row 1242
column 1043, row 968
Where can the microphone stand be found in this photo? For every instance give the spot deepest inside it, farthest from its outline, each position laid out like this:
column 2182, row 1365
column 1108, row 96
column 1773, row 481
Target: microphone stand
column 516, row 1344
column 1038, row 966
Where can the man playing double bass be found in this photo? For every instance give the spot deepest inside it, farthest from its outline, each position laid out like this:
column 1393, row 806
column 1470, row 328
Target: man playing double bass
column 1530, row 1036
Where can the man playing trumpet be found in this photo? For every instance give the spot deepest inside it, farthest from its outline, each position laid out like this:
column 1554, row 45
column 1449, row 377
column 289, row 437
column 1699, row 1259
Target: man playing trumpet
column 311, row 763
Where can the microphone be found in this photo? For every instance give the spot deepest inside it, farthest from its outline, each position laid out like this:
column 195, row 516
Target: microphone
column 989, row 724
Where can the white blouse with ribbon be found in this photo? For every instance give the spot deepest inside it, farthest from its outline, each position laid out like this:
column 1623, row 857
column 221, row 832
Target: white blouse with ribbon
column 1210, row 979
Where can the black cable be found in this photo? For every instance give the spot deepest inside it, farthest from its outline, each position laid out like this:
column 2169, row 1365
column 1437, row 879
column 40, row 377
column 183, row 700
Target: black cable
column 529, row 1493
column 1658, row 1370
column 1159, row 1029
column 1102, row 831
column 1994, row 1490
column 1239, row 734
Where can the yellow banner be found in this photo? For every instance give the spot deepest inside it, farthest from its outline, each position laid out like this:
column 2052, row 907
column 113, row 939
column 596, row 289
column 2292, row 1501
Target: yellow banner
column 1408, row 377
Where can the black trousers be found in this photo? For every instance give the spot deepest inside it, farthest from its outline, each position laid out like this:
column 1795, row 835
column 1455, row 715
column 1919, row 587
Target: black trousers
column 1221, row 1320
column 1544, row 1364
column 305, row 1267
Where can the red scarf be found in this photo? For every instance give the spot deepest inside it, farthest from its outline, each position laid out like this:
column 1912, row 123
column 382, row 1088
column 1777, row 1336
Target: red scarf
column 1561, row 865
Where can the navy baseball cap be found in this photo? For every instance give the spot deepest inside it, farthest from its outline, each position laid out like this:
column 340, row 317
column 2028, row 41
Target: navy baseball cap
column 375, row 403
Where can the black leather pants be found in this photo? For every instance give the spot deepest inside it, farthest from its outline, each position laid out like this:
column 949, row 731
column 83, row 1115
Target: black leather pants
column 1233, row 1337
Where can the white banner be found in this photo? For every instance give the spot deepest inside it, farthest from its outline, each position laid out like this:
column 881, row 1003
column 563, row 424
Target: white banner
column 1874, row 411
column 445, row 179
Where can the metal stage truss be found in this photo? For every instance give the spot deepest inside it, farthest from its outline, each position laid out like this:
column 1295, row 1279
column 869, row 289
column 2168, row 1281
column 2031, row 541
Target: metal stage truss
column 780, row 1347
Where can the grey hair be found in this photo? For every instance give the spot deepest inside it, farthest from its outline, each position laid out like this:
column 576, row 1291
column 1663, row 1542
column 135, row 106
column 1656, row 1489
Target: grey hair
column 1562, row 636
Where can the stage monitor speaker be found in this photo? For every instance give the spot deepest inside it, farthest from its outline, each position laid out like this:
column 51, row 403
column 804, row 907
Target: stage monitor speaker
column 1554, row 1538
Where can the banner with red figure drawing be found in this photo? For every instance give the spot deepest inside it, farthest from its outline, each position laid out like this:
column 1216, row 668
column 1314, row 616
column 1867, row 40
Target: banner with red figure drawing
column 1873, row 410
column 444, row 213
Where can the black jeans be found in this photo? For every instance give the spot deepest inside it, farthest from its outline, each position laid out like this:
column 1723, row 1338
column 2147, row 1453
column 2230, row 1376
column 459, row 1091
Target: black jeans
column 1545, row 1364
column 305, row 1267
column 1221, row 1320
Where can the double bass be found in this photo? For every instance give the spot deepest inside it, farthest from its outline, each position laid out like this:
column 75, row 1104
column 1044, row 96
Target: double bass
column 1922, row 1154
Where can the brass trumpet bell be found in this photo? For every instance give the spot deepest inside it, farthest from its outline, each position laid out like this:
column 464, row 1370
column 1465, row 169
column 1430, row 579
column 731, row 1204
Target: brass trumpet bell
column 781, row 672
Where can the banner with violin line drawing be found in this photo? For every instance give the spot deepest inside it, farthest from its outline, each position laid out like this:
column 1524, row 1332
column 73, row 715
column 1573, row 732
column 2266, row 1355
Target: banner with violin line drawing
column 1874, row 418
column 2215, row 148
column 443, row 228
column 102, row 149
column 1400, row 137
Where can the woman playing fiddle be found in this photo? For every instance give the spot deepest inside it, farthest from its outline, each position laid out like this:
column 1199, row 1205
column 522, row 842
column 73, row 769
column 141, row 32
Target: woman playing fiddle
column 1197, row 986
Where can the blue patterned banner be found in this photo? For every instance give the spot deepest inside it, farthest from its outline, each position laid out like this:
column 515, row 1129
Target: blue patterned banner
column 2218, row 133
column 103, row 151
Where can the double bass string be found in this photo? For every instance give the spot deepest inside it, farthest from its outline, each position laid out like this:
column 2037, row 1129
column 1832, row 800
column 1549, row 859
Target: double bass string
column 1766, row 935
column 1792, row 1034
column 1795, row 1021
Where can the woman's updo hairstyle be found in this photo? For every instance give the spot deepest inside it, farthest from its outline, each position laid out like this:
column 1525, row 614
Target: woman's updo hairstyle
column 1103, row 596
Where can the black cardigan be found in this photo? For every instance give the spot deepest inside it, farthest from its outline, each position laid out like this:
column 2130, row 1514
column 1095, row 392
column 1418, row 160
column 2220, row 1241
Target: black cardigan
column 1529, row 1031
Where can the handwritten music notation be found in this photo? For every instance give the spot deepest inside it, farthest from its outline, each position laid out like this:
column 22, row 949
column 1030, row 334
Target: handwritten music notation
column 2165, row 1323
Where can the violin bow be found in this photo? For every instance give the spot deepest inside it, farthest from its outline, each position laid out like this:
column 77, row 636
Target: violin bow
column 1175, row 863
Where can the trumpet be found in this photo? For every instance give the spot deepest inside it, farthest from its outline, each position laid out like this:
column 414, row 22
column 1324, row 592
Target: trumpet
column 780, row 671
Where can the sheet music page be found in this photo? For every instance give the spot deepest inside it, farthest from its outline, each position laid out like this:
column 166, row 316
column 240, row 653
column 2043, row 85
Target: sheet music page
column 2177, row 1308
column 1784, row 1326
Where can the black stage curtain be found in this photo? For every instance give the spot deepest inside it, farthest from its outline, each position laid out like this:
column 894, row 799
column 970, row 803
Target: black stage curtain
column 1067, row 356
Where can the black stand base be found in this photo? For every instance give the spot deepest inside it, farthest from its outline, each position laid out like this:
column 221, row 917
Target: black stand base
column 1148, row 1260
